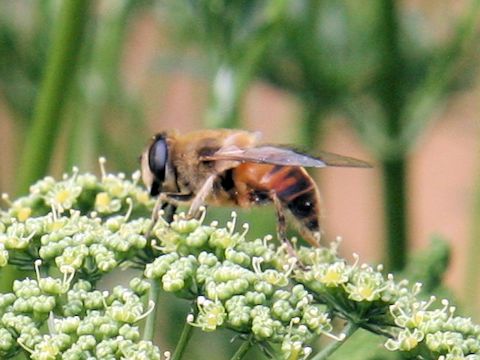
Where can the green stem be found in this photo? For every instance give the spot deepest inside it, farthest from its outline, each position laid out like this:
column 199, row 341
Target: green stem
column 311, row 122
column 392, row 98
column 92, row 96
column 234, row 74
column 243, row 349
column 58, row 78
column 394, row 177
column 150, row 323
column 183, row 341
column 349, row 330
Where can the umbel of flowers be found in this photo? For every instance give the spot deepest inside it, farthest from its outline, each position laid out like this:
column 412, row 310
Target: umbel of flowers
column 73, row 231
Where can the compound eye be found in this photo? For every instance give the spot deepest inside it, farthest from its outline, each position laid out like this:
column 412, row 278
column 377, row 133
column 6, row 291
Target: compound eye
column 157, row 158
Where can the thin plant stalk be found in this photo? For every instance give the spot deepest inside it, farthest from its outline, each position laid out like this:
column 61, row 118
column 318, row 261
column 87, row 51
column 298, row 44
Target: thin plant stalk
column 102, row 80
column 233, row 76
column 349, row 330
column 183, row 341
column 150, row 324
column 58, row 78
column 243, row 349
column 393, row 163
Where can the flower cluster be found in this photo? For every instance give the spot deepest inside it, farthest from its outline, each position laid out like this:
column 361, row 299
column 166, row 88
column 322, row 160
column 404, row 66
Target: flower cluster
column 81, row 322
column 82, row 227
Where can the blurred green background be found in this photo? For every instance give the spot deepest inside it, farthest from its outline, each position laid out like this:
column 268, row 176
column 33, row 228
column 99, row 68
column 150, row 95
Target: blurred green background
column 392, row 82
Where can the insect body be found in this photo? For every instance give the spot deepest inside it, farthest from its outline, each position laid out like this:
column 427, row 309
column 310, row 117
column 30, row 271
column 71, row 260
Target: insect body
column 231, row 168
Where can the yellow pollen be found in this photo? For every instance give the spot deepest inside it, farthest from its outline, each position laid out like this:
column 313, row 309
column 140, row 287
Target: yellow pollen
column 61, row 196
column 102, row 199
column 24, row 213
column 142, row 197
column 410, row 343
column 366, row 292
column 331, row 277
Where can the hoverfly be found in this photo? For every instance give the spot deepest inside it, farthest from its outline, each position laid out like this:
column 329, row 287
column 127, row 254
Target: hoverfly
column 225, row 167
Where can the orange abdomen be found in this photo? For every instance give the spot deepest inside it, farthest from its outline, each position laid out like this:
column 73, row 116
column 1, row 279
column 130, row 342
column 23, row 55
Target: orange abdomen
column 292, row 185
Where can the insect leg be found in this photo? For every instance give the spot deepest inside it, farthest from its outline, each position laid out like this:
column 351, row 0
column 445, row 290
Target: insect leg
column 282, row 224
column 175, row 198
column 165, row 199
column 201, row 195
column 167, row 202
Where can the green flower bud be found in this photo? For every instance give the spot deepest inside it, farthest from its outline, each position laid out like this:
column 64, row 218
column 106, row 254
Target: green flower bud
column 51, row 286
column 221, row 238
column 45, row 350
column 160, row 266
column 22, row 305
column 174, row 280
column 67, row 325
column 73, row 307
column 264, row 287
column 263, row 326
column 86, row 342
column 255, row 297
column 184, row 226
column 237, row 257
column 122, row 313
column 82, row 285
column 26, row 288
column 110, row 329
column 85, row 328
column 43, row 304
column 316, row 319
column 199, row 236
column 93, row 300
column 140, row 286
column 129, row 332
column 7, row 342
column 140, row 351
column 207, row 259
column 6, row 300
column 283, row 311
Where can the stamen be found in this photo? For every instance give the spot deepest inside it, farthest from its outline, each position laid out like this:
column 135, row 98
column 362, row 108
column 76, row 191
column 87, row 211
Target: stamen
column 256, row 264
column 266, row 239
column 246, row 227
column 104, row 299
column 101, row 162
column 151, row 306
column 231, row 224
column 130, row 209
column 203, row 212
column 356, row 259
column 37, row 264
column 25, row 347
column 136, row 177
column 6, row 199
column 75, row 171
column 52, row 329
column 54, row 213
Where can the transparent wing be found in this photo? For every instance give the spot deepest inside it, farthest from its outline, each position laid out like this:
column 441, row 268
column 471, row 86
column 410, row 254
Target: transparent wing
column 268, row 154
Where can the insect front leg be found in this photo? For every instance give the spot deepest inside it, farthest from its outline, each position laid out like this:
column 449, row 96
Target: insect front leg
column 201, row 196
column 173, row 199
